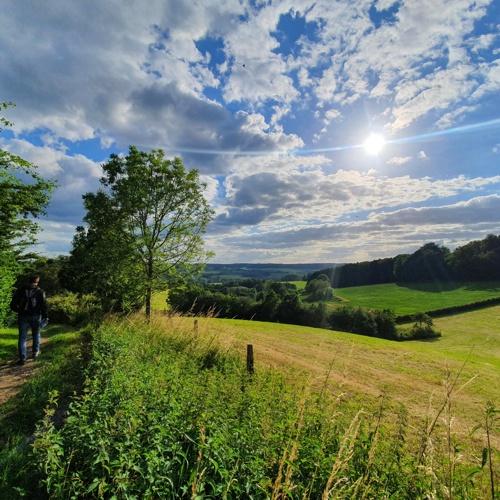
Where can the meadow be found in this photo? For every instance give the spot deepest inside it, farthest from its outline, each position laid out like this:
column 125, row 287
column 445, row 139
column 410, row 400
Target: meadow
column 169, row 410
column 418, row 297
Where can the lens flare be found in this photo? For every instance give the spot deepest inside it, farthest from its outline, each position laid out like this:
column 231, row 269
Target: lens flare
column 374, row 144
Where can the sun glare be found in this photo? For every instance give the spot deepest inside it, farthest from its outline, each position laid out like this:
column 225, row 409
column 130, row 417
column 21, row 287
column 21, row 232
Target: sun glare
column 374, row 144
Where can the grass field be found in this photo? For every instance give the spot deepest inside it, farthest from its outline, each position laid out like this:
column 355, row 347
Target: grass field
column 444, row 384
column 418, row 297
column 416, row 373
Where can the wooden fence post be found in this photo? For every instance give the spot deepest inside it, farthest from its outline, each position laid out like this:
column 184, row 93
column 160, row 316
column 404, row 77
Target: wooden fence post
column 250, row 368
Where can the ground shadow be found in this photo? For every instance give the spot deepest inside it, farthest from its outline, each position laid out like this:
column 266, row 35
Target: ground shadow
column 432, row 286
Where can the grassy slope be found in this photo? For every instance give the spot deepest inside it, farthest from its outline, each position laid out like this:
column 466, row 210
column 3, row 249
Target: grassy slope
column 418, row 297
column 365, row 368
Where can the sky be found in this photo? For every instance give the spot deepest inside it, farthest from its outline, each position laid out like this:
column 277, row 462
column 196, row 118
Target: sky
column 273, row 102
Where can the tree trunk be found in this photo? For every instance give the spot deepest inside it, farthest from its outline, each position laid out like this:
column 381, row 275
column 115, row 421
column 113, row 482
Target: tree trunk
column 149, row 291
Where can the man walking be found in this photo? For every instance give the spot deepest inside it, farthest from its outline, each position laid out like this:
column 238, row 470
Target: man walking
column 31, row 306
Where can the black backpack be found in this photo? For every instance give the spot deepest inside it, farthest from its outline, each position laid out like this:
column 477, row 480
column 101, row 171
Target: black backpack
column 26, row 301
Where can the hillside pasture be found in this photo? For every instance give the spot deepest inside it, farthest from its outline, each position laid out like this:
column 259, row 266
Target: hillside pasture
column 417, row 297
column 418, row 374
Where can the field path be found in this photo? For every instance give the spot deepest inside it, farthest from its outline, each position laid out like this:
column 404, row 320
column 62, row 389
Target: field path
column 12, row 375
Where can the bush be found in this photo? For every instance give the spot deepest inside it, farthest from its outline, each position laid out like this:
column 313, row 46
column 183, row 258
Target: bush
column 353, row 320
column 377, row 323
column 73, row 309
column 422, row 329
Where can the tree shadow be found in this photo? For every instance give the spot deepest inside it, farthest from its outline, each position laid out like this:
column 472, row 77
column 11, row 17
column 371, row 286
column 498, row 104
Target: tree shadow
column 449, row 286
column 432, row 286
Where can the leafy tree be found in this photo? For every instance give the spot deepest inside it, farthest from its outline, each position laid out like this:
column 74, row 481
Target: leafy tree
column 49, row 270
column 319, row 289
column 24, row 196
column 353, row 320
column 268, row 308
column 423, row 327
column 478, row 260
column 428, row 263
column 145, row 227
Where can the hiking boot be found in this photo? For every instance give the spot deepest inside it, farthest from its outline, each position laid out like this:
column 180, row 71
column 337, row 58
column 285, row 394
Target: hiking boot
column 22, row 361
column 35, row 354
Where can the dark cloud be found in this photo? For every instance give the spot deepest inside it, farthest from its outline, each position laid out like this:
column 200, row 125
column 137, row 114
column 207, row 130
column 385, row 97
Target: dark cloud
column 241, row 217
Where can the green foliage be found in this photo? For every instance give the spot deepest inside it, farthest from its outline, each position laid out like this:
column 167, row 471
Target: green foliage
column 168, row 414
column 319, row 289
column 478, row 260
column 9, row 268
column 59, row 371
column 74, row 309
column 428, row 263
column 24, row 196
column 353, row 320
column 262, row 300
column 381, row 324
column 49, row 270
column 145, row 228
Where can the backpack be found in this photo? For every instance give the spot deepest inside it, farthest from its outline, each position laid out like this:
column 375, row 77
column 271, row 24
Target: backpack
column 25, row 301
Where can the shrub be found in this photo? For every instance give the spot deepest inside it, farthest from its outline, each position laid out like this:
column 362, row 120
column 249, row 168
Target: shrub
column 73, row 309
column 353, row 320
column 422, row 329
column 376, row 323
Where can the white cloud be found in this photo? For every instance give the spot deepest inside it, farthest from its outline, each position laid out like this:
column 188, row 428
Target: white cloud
column 89, row 73
column 389, row 233
column 399, row 160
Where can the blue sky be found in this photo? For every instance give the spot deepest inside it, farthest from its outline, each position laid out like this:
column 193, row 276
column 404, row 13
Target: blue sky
column 272, row 101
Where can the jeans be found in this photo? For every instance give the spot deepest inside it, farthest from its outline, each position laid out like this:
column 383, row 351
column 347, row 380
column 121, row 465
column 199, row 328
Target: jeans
column 25, row 323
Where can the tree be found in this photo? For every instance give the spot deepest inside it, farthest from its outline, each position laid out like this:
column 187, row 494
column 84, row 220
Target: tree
column 145, row 225
column 319, row 289
column 478, row 260
column 429, row 263
column 24, row 196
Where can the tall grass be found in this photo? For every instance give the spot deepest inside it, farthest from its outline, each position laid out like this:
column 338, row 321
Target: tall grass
column 168, row 411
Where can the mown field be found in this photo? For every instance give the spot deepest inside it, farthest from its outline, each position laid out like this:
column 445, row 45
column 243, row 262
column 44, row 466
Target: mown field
column 415, row 373
column 418, row 297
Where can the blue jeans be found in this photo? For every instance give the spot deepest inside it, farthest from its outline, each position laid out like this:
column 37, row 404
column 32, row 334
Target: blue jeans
column 26, row 323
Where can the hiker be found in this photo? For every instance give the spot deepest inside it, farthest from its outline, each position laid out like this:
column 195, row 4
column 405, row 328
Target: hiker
column 30, row 304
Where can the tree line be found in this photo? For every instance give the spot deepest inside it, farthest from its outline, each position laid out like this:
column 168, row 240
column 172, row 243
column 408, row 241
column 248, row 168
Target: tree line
column 475, row 261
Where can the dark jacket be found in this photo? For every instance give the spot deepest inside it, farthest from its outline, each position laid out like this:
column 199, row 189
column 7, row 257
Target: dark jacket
column 30, row 301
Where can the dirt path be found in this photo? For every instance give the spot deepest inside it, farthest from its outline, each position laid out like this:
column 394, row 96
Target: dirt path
column 12, row 375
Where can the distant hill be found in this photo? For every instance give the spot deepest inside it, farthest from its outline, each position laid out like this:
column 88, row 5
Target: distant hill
column 277, row 272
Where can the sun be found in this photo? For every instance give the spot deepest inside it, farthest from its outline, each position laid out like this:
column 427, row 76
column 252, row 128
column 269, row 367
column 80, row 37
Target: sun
column 374, row 144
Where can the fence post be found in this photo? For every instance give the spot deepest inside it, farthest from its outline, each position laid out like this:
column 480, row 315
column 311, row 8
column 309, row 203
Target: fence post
column 196, row 326
column 250, row 368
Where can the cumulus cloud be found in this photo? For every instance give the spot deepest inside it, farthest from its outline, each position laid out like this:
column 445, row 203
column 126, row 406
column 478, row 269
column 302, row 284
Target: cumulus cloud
column 243, row 90
column 391, row 233
column 399, row 160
